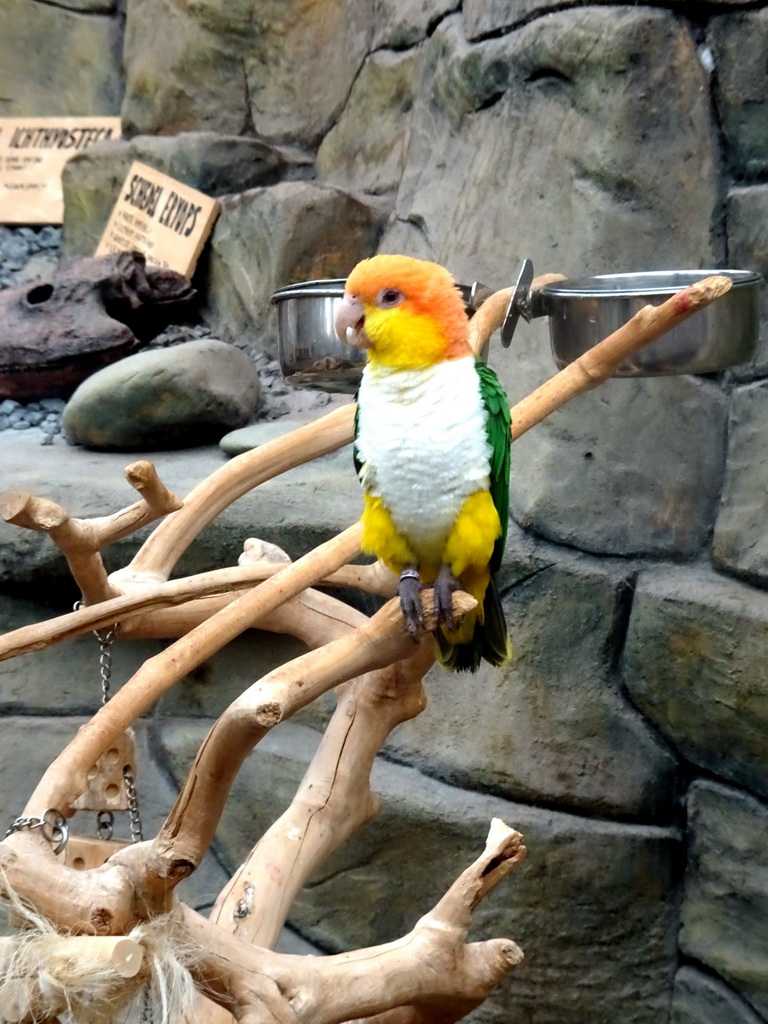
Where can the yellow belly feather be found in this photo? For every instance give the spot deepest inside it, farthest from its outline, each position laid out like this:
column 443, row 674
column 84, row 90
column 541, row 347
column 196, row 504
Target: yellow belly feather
column 467, row 551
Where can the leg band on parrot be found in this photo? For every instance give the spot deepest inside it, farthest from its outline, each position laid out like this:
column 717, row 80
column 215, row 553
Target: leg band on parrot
column 409, row 589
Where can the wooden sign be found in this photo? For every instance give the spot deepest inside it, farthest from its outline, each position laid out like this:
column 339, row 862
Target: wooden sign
column 167, row 221
column 33, row 151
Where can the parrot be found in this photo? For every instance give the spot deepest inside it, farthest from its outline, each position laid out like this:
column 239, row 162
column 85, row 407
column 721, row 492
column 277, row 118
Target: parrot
column 431, row 449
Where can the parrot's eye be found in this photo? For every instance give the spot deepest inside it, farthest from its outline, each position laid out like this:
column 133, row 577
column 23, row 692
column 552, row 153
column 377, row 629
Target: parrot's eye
column 389, row 297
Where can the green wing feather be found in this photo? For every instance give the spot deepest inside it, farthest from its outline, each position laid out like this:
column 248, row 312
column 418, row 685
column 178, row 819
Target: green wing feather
column 498, row 432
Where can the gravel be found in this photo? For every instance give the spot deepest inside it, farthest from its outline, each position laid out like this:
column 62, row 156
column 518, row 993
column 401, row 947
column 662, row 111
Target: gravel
column 19, row 245
column 23, row 248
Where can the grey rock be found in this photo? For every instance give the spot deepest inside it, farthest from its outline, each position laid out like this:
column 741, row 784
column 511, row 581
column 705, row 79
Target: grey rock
column 553, row 727
column 489, row 17
column 747, row 220
column 725, row 910
column 53, row 405
column 590, row 475
column 576, row 893
column 701, row 999
column 276, row 511
column 546, row 143
column 739, row 44
column 740, row 541
column 269, row 237
column 695, row 665
column 91, row 6
column 366, row 148
column 186, row 395
column 402, row 23
column 212, row 163
column 76, row 57
column 226, row 70
column 247, row 438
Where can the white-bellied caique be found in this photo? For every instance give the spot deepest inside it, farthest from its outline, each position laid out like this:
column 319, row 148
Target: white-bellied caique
column 432, row 440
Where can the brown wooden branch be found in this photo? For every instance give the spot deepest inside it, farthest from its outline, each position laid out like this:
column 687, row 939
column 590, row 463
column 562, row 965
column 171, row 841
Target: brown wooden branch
column 333, row 800
column 169, row 541
column 431, row 966
column 139, row 610
column 81, row 540
column 189, row 828
column 70, row 535
column 65, row 777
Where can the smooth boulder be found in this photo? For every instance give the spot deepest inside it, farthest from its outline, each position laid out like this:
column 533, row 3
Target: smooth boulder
column 175, row 397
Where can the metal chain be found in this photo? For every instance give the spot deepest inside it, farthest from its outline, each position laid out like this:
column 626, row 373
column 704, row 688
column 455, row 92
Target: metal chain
column 105, row 819
column 106, row 640
column 52, row 824
column 137, row 832
column 105, row 822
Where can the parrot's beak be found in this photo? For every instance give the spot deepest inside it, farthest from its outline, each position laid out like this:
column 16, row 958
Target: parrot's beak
column 350, row 322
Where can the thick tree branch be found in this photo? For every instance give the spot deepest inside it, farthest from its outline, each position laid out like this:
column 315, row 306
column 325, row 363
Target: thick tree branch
column 190, row 826
column 65, row 777
column 332, row 802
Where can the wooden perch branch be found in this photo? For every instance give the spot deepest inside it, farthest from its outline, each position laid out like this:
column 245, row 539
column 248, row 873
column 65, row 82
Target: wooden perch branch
column 65, row 777
column 138, row 609
column 190, row 827
column 81, row 540
column 168, row 542
column 332, row 802
column 431, row 966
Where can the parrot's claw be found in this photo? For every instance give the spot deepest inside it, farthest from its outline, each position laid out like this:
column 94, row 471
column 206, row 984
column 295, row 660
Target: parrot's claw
column 409, row 589
column 445, row 586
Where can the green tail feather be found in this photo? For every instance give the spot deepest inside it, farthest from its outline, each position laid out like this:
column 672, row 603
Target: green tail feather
column 490, row 641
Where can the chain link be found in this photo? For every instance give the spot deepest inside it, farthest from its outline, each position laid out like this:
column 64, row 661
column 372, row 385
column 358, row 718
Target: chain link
column 105, row 823
column 137, row 832
column 106, row 639
column 52, row 824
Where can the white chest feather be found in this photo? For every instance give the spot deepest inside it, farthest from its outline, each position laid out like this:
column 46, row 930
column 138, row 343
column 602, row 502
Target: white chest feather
column 423, row 445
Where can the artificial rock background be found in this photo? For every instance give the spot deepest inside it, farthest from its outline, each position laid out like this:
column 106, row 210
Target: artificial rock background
column 628, row 739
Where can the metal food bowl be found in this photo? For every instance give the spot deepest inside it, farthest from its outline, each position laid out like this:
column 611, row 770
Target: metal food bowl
column 583, row 311
column 309, row 351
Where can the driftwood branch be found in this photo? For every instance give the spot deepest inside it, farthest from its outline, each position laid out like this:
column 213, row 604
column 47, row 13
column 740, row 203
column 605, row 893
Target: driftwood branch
column 332, row 802
column 66, row 775
column 81, row 540
column 169, row 541
column 191, row 825
column 150, row 608
column 432, row 966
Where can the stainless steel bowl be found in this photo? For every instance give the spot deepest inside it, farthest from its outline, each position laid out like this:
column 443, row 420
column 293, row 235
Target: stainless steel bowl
column 309, row 352
column 308, row 349
column 583, row 311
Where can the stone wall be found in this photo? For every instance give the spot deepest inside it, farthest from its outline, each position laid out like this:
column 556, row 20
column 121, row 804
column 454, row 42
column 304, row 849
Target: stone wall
column 629, row 738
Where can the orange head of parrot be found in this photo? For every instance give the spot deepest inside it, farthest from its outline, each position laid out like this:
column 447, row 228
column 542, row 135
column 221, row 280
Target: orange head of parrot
column 407, row 313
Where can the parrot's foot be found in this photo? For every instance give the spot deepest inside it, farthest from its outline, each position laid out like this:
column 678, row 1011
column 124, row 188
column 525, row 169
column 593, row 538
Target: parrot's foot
column 445, row 586
column 409, row 589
